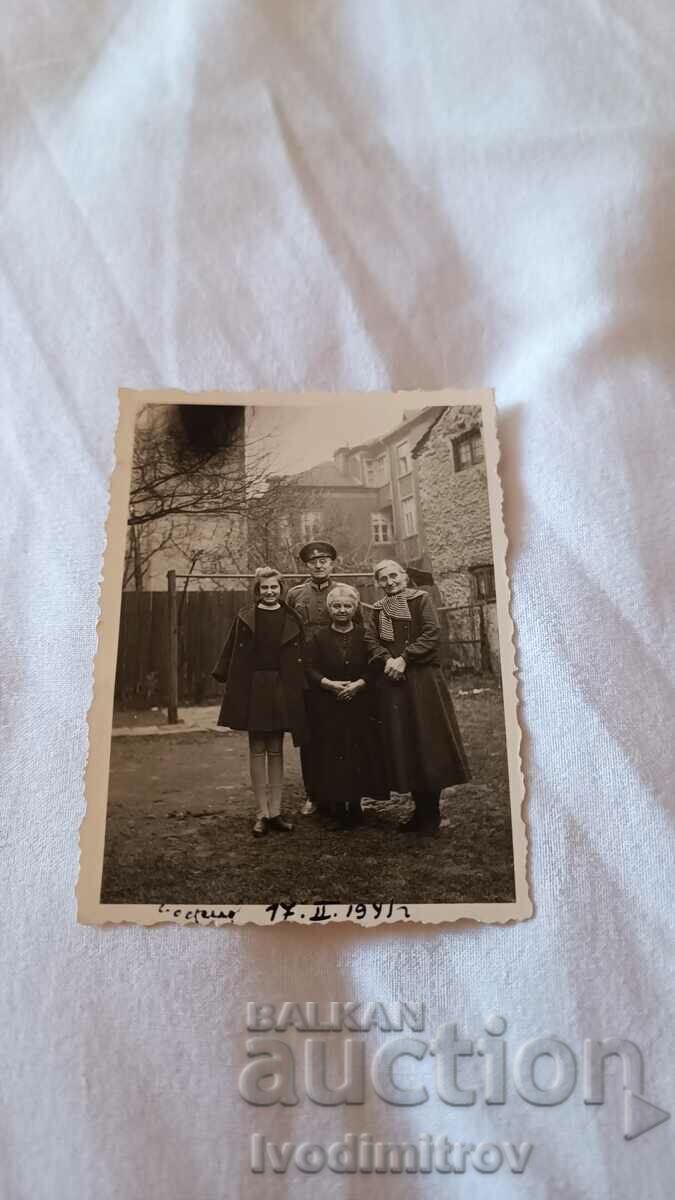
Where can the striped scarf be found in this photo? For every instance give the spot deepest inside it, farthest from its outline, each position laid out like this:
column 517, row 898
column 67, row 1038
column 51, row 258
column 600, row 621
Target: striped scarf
column 391, row 607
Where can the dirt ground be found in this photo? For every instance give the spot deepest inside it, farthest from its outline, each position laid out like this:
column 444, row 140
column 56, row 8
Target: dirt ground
column 181, row 810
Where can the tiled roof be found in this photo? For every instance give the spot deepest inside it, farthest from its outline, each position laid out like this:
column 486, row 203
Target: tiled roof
column 424, row 437
column 410, row 417
column 326, row 474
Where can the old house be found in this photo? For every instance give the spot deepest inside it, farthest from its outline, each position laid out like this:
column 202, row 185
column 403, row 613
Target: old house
column 387, row 465
column 366, row 499
column 324, row 501
column 453, row 497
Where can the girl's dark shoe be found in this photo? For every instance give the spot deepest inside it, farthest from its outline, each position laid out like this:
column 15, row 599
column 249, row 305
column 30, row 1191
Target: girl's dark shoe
column 430, row 830
column 412, row 824
column 279, row 825
column 260, row 827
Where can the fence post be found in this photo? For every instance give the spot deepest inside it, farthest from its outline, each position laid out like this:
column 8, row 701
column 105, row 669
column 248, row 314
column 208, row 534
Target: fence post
column 172, row 707
column 484, row 646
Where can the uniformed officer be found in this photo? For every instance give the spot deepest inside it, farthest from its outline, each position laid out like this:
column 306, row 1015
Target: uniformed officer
column 308, row 599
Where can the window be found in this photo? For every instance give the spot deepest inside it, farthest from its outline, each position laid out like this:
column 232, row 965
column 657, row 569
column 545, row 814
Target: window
column 310, row 526
column 409, row 514
column 381, row 528
column 382, row 470
column 483, row 583
column 376, row 471
column 285, row 536
column 403, row 457
column 468, row 450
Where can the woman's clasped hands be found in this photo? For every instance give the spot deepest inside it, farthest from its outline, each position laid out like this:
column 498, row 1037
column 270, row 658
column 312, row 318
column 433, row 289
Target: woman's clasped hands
column 343, row 689
column 395, row 668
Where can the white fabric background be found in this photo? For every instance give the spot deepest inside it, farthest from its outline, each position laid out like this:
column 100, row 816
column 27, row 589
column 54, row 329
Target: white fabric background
column 344, row 195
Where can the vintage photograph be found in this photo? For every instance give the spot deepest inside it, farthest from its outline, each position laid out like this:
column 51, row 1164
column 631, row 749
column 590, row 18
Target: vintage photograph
column 305, row 695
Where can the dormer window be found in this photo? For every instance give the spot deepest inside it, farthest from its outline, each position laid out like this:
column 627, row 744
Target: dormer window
column 376, row 471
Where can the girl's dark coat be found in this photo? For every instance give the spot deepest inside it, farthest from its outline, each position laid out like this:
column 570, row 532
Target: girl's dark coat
column 235, row 669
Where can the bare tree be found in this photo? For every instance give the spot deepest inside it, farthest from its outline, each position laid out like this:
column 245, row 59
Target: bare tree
column 140, row 551
column 193, row 469
column 275, row 532
column 344, row 532
column 273, row 519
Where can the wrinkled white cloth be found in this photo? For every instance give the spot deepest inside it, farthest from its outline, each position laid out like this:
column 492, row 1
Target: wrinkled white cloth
column 331, row 196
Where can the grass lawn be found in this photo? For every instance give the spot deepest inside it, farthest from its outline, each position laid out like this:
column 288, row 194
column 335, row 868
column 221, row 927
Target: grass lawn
column 181, row 810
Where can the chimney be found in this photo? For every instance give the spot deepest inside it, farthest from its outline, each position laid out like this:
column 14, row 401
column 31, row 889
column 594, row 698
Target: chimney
column 341, row 459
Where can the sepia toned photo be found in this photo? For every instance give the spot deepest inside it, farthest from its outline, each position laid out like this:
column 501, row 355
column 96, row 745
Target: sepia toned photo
column 305, row 691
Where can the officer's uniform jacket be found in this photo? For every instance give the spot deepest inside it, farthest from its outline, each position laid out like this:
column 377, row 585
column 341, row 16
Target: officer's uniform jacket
column 308, row 599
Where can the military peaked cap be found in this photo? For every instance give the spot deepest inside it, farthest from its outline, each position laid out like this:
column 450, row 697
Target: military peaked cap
column 317, row 550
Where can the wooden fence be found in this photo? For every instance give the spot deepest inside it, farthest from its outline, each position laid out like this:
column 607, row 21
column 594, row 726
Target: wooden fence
column 142, row 678
column 144, row 657
column 468, row 639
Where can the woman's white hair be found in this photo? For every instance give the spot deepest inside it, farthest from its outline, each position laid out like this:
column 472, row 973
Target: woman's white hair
column 343, row 589
column 387, row 562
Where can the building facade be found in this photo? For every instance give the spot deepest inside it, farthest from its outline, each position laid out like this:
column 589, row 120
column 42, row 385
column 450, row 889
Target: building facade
column 453, row 496
column 323, row 501
column 366, row 499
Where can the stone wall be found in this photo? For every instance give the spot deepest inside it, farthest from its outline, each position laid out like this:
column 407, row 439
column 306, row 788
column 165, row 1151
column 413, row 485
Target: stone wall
column 454, row 506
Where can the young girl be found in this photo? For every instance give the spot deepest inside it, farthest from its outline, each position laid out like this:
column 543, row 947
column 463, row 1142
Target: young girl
column 262, row 666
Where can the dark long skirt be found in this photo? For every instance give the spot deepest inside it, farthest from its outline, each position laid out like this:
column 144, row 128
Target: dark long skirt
column 421, row 741
column 346, row 762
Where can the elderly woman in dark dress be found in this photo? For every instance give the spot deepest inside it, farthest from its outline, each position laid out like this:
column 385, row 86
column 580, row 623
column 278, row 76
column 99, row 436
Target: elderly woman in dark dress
column 422, row 744
column 263, row 668
column 346, row 755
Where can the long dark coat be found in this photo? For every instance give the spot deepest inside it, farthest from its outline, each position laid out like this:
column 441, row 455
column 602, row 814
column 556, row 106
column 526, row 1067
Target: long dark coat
column 235, row 669
column 422, row 743
column 347, row 759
